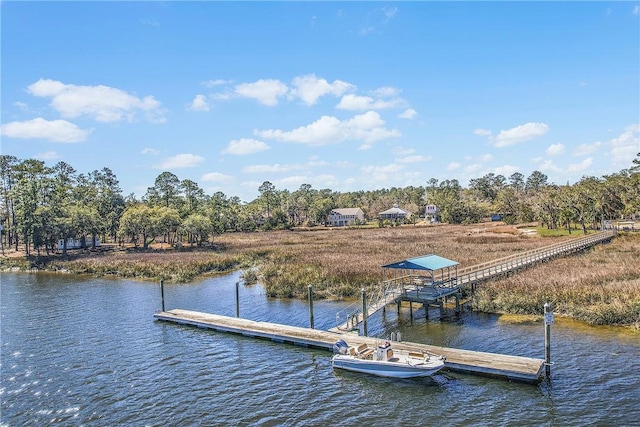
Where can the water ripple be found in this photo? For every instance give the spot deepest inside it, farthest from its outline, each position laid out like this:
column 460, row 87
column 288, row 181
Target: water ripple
column 87, row 352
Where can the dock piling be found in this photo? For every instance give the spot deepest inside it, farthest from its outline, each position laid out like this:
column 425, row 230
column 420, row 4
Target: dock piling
column 162, row 293
column 364, row 312
column 310, row 291
column 237, row 299
column 548, row 321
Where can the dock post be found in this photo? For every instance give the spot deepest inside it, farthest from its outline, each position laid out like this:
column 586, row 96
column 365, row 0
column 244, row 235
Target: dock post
column 364, row 312
column 548, row 321
column 162, row 293
column 310, row 291
column 237, row 299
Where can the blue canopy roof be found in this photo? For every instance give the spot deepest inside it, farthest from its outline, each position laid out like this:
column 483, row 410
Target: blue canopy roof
column 427, row 262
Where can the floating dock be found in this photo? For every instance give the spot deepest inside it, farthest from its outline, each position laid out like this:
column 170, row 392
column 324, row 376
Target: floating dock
column 515, row 368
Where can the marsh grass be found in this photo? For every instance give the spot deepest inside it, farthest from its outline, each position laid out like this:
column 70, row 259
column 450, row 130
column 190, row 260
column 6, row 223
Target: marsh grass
column 600, row 286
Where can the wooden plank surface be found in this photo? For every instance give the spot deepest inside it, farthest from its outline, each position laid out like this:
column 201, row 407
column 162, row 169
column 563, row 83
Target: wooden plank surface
column 516, row 368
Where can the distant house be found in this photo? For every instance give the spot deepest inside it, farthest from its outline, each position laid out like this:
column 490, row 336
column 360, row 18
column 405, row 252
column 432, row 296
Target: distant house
column 432, row 213
column 626, row 225
column 345, row 216
column 395, row 213
column 76, row 243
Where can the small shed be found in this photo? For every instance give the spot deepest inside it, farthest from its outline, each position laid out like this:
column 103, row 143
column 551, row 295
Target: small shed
column 429, row 269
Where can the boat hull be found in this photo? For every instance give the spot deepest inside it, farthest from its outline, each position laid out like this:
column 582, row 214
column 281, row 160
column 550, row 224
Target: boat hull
column 403, row 369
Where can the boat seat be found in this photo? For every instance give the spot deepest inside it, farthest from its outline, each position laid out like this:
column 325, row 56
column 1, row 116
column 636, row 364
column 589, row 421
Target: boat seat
column 416, row 355
column 361, row 348
column 365, row 354
column 352, row 351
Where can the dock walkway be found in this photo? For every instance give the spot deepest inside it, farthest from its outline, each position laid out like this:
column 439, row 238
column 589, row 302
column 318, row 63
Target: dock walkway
column 404, row 288
column 516, row 368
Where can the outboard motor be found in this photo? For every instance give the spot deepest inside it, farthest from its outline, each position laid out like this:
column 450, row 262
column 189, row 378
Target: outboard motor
column 340, row 347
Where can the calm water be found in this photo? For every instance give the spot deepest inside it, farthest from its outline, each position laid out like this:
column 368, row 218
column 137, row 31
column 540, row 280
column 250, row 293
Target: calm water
column 83, row 351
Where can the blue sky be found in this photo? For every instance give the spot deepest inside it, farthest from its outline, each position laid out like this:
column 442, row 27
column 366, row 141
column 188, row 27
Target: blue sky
column 347, row 95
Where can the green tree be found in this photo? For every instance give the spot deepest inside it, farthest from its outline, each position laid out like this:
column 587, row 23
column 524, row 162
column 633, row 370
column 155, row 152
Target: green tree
column 108, row 200
column 166, row 191
column 138, row 221
column 194, row 197
column 32, row 186
column 8, row 177
column 536, row 181
column 268, row 196
column 197, row 228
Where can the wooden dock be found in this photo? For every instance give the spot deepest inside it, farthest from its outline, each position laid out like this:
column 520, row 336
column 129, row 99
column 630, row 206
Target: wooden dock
column 407, row 288
column 515, row 368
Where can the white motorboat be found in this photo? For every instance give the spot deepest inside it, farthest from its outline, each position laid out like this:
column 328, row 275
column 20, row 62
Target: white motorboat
column 385, row 361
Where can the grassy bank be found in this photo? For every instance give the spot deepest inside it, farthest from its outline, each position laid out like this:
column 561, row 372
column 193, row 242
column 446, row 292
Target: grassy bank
column 601, row 286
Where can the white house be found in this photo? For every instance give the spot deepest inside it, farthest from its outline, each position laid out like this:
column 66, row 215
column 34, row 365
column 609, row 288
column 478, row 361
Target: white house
column 75, row 243
column 394, row 213
column 432, row 213
column 345, row 216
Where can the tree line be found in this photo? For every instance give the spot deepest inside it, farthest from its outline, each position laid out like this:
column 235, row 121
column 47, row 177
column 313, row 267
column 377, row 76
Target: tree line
column 40, row 205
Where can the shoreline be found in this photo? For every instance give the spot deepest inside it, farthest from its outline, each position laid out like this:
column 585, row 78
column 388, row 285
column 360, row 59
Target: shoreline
column 600, row 286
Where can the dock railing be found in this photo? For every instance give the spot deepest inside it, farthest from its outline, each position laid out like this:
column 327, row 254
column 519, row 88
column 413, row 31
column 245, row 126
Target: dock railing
column 476, row 273
column 350, row 317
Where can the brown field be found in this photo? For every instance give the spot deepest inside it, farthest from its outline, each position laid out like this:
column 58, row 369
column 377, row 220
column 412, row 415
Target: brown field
column 601, row 286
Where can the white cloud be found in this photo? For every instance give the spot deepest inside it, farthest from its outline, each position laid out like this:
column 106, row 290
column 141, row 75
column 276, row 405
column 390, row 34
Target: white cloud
column 389, row 11
column 582, row 166
column 409, row 113
column 386, row 92
column 278, row 168
column 415, row 158
column 453, row 166
column 472, row 168
column 243, row 146
column 151, row 151
column 378, row 174
column 555, row 149
column 482, row 132
column 199, row 103
column 520, row 133
column 548, row 165
column 21, row 105
column 506, row 170
column 39, row 128
column 353, row 102
column 625, row 147
column 216, row 177
column 294, row 181
column 47, row 155
column 586, row 149
column 367, row 127
column 309, row 88
column 103, row 103
column 483, row 158
column 180, row 161
column 266, row 92
column 217, row 82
